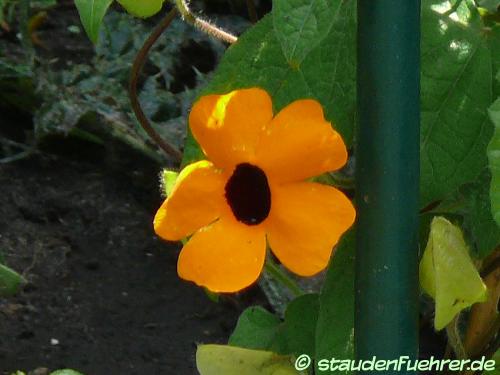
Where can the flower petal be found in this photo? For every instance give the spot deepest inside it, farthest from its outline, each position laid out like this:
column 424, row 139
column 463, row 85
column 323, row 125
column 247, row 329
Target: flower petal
column 196, row 200
column 306, row 221
column 226, row 256
column 228, row 127
column 299, row 143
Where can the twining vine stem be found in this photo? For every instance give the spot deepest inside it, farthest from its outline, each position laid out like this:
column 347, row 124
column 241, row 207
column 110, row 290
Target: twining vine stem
column 134, row 77
column 140, row 60
column 454, row 339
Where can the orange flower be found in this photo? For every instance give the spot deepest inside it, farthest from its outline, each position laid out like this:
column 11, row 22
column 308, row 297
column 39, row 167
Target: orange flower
column 252, row 189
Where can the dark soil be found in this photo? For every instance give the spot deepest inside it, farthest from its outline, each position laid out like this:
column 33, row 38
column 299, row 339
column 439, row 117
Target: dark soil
column 103, row 295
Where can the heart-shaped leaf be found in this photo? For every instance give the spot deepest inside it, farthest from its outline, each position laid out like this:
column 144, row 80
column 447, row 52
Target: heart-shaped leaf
column 447, row 272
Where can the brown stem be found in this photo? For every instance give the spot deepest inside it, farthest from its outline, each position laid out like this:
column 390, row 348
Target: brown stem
column 488, row 353
column 454, row 339
column 139, row 62
column 252, row 11
column 491, row 265
column 484, row 321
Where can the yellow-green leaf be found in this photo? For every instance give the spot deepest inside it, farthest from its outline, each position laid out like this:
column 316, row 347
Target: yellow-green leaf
column 168, row 180
column 447, row 272
column 230, row 360
column 91, row 14
column 143, row 8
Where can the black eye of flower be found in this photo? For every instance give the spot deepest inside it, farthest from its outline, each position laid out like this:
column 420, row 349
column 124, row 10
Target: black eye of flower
column 248, row 194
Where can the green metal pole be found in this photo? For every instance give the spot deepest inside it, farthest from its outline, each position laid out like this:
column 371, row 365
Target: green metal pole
column 387, row 177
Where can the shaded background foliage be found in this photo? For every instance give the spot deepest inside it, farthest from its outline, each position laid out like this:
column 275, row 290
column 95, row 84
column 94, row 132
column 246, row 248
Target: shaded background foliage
column 64, row 87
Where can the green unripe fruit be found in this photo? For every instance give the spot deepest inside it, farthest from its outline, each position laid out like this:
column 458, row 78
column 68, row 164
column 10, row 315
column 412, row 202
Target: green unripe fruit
column 142, row 8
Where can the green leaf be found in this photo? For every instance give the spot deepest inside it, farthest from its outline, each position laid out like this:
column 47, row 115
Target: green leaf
column 456, row 90
column 301, row 25
column 230, row 360
column 66, row 372
column 10, row 281
column 143, row 8
column 456, row 86
column 212, row 296
column 256, row 329
column 472, row 203
column 257, row 59
column 447, row 273
column 494, row 161
column 301, row 318
column 478, row 219
column 168, row 179
column 490, row 5
column 335, row 328
column 91, row 14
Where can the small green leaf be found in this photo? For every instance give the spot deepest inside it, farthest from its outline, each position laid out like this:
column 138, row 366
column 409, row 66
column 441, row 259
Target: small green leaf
column 10, row 281
column 494, row 161
column 212, row 296
column 168, row 179
column 91, row 14
column 231, row 360
column 66, row 372
column 301, row 317
column 447, row 273
column 256, row 329
column 143, row 8
column 335, row 328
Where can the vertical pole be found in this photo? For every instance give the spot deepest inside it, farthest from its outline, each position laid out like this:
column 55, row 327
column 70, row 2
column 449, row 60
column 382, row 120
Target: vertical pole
column 387, row 175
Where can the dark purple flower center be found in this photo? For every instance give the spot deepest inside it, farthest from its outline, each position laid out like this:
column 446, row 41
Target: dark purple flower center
column 248, row 194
